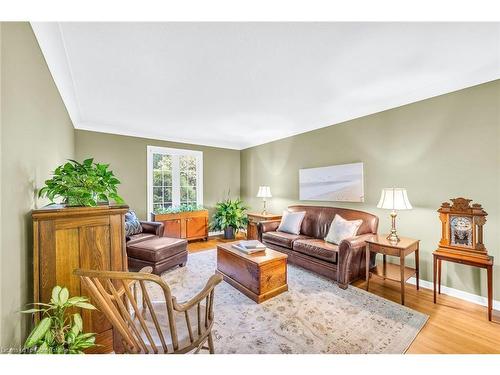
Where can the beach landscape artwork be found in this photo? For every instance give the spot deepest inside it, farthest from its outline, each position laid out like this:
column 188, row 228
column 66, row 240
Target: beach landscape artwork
column 338, row 183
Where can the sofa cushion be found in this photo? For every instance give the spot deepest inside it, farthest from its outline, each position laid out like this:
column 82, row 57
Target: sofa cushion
column 132, row 224
column 139, row 237
column 291, row 222
column 317, row 248
column 156, row 249
column 281, row 238
column 342, row 229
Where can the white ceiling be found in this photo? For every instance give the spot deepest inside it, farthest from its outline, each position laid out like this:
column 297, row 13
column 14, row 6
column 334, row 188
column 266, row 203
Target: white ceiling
column 237, row 85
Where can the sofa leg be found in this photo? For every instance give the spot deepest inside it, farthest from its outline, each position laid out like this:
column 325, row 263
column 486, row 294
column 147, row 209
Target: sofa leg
column 182, row 264
column 342, row 286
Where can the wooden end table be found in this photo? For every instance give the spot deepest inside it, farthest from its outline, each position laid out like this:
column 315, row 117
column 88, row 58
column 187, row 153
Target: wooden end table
column 485, row 262
column 254, row 219
column 400, row 273
column 259, row 276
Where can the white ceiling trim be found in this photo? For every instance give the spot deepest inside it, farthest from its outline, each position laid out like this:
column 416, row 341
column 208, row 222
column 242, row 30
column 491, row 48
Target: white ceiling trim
column 113, row 129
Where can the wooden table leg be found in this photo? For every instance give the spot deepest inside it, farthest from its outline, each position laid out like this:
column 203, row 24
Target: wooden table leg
column 402, row 268
column 439, row 276
column 417, row 267
column 434, row 278
column 367, row 260
column 490, row 291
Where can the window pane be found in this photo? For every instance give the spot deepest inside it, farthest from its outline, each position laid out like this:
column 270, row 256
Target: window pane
column 187, row 164
column 184, row 194
column 184, row 180
column 157, row 178
column 156, row 161
column 157, row 195
column 191, row 179
column 192, row 193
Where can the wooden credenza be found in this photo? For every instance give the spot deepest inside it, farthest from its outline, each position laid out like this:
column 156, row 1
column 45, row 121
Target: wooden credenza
column 66, row 238
column 192, row 225
column 254, row 219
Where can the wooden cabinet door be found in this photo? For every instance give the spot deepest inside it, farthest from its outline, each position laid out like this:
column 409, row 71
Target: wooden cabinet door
column 172, row 228
column 196, row 227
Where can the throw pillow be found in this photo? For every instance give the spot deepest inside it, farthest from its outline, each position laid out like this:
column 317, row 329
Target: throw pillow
column 340, row 229
column 291, row 222
column 132, row 224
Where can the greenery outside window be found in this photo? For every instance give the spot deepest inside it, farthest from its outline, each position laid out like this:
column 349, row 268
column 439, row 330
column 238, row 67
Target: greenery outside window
column 175, row 178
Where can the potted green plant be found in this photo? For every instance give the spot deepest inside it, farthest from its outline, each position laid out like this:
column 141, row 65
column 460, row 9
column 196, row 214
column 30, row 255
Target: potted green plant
column 82, row 184
column 230, row 217
column 59, row 332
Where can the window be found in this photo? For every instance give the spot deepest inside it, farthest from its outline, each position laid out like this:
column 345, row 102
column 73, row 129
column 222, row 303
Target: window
column 175, row 178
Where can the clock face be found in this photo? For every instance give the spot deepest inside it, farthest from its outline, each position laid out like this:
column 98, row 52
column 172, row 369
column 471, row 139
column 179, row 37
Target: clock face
column 461, row 231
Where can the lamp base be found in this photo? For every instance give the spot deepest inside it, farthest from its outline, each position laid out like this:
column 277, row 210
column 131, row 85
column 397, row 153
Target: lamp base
column 264, row 211
column 393, row 236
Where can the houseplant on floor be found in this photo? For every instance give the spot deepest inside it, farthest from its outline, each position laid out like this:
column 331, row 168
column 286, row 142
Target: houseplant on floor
column 230, row 217
column 59, row 332
column 82, row 184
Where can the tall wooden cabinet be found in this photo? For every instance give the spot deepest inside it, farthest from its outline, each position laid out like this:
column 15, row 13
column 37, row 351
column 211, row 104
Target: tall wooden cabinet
column 66, row 238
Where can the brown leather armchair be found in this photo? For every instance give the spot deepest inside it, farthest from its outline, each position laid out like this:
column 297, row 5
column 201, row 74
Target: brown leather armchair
column 151, row 248
column 343, row 263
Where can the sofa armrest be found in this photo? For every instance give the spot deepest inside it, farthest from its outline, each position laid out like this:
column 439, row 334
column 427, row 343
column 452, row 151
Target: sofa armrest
column 153, row 227
column 267, row 226
column 352, row 258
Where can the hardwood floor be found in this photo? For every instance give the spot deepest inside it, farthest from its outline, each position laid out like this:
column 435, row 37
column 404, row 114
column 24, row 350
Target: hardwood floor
column 454, row 325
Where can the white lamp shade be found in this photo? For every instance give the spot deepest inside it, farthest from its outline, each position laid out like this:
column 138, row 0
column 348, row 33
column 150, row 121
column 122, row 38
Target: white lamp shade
column 264, row 192
column 394, row 199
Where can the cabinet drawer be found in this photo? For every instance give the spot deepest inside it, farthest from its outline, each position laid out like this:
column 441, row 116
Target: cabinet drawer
column 384, row 250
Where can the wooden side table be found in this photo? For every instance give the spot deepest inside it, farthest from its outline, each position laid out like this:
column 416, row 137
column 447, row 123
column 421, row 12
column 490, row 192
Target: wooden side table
column 400, row 273
column 487, row 263
column 254, row 219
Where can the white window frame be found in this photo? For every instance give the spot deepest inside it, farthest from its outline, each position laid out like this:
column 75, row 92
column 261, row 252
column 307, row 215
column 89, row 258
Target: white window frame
column 176, row 190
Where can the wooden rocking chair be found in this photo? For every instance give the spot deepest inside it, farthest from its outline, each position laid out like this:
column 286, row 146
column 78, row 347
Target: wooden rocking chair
column 147, row 326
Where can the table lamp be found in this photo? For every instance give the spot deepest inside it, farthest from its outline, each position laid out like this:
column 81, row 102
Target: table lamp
column 264, row 192
column 394, row 199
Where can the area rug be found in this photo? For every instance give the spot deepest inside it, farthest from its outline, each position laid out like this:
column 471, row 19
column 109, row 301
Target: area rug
column 314, row 316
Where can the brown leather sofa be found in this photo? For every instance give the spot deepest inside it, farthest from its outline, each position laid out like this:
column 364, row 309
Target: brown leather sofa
column 344, row 263
column 150, row 248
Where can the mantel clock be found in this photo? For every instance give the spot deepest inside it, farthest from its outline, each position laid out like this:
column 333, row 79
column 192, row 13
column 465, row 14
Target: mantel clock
column 462, row 228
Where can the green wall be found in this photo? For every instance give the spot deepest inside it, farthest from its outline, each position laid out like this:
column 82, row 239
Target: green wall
column 37, row 135
column 437, row 149
column 127, row 156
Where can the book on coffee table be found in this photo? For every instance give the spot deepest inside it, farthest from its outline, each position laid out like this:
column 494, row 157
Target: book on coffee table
column 249, row 247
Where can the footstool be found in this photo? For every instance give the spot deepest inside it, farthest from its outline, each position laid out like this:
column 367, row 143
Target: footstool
column 161, row 253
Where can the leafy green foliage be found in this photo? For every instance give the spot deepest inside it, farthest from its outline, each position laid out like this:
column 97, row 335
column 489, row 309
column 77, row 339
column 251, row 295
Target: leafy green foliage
column 181, row 208
column 82, row 184
column 229, row 213
column 59, row 332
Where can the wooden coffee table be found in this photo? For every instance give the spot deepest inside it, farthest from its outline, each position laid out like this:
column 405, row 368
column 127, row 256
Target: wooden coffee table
column 259, row 276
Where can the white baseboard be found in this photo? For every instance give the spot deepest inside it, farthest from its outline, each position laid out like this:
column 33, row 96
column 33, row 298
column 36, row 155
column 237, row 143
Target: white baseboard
column 466, row 296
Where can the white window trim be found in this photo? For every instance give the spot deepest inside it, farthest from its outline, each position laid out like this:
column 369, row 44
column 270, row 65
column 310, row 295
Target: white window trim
column 175, row 174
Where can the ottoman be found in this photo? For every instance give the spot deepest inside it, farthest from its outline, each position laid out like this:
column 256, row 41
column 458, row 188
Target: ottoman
column 161, row 253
